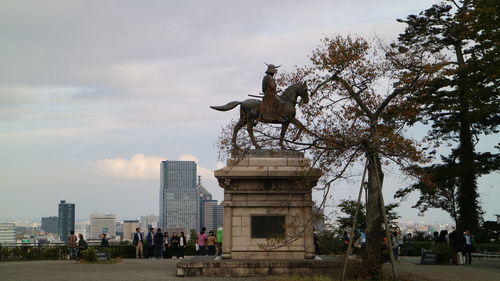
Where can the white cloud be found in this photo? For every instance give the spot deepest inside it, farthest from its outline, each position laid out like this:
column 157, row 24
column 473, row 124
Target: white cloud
column 140, row 166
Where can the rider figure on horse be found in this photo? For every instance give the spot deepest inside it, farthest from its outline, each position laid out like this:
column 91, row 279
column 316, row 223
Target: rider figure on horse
column 271, row 105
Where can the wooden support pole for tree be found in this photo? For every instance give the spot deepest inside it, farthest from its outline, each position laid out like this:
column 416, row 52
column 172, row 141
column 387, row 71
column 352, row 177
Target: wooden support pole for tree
column 351, row 235
column 386, row 222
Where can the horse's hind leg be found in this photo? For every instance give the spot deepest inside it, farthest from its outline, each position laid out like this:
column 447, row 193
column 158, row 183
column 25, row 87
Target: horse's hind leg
column 250, row 124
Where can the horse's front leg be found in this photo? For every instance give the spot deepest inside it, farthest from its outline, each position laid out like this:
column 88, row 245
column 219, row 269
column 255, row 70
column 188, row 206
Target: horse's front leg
column 301, row 128
column 250, row 124
column 284, row 127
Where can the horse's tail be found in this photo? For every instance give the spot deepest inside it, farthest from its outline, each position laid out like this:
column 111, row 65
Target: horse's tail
column 227, row 106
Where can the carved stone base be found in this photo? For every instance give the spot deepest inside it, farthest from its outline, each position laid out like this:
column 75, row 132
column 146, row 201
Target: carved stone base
column 268, row 205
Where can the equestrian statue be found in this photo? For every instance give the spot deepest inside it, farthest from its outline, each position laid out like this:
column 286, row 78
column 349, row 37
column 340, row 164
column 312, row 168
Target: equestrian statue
column 273, row 109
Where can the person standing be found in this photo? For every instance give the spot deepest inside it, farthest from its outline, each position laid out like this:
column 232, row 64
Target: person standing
column 82, row 245
column 345, row 241
column 201, row 241
column 211, row 240
column 455, row 243
column 219, row 235
column 395, row 245
column 174, row 245
column 72, row 246
column 182, row 245
column 362, row 239
column 158, row 242
column 167, row 251
column 469, row 246
column 104, row 241
column 316, row 242
column 139, row 254
column 150, row 242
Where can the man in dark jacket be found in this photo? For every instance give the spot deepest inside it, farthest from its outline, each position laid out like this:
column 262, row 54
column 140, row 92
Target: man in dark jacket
column 104, row 241
column 150, row 242
column 158, row 242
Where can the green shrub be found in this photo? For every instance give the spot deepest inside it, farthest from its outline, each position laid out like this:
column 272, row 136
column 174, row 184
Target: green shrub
column 416, row 248
column 443, row 253
column 488, row 247
column 88, row 255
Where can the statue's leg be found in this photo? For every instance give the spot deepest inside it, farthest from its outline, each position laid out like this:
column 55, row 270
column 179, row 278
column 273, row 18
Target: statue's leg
column 237, row 127
column 250, row 124
column 284, row 127
column 302, row 128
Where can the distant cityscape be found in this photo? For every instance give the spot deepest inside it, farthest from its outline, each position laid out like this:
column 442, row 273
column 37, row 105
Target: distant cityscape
column 185, row 205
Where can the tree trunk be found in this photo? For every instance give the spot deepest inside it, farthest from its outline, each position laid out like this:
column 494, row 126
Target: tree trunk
column 468, row 210
column 374, row 233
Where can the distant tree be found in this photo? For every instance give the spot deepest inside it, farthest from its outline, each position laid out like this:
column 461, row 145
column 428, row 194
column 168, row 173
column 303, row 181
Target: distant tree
column 490, row 232
column 461, row 101
column 348, row 210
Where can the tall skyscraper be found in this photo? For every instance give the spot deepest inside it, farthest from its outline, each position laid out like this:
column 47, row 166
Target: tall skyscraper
column 178, row 196
column 66, row 219
column 102, row 223
column 7, row 233
column 49, row 224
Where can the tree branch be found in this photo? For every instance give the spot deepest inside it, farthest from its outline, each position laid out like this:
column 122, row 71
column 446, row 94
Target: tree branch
column 354, row 95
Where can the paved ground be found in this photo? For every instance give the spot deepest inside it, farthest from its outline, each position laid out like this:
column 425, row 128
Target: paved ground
column 127, row 270
column 486, row 270
column 153, row 270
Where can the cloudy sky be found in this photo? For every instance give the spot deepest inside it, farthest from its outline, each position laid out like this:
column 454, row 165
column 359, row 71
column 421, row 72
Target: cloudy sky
column 94, row 94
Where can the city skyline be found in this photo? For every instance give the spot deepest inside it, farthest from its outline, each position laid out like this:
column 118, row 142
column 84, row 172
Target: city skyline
column 93, row 96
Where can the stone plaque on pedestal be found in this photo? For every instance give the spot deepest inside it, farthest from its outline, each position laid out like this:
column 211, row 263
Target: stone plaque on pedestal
column 268, row 205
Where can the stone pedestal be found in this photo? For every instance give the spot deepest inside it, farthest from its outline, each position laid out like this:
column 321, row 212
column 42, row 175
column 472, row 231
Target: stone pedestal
column 268, row 205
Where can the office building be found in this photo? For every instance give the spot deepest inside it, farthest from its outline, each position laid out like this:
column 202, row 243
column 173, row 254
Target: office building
column 203, row 195
column 218, row 216
column 102, row 223
column 83, row 228
column 49, row 224
column 146, row 222
column 119, row 229
column 129, row 227
column 66, row 219
column 208, row 214
column 7, row 233
column 178, row 196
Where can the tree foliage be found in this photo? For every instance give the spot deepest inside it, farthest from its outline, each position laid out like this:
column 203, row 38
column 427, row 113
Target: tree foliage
column 461, row 102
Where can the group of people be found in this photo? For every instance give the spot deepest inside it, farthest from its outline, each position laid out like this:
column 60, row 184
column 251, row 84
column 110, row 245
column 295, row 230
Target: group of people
column 209, row 244
column 359, row 241
column 462, row 245
column 160, row 245
column 76, row 245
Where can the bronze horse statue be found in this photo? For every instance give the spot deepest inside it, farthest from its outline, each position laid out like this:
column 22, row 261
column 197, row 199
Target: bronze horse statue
column 250, row 112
